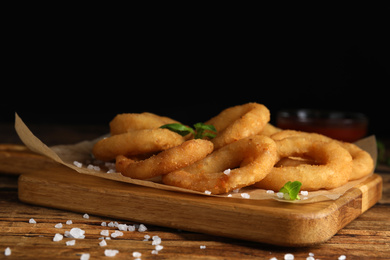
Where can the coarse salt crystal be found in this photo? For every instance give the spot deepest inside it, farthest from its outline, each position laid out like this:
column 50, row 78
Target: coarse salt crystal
column 32, row 221
column 202, row 247
column 159, row 247
column 77, row 164
column 207, row 192
column 131, row 228
column 137, row 254
column 288, row 257
column 59, row 225
column 103, row 243
column 142, row 228
column 116, row 234
column 146, row 238
column 104, row 224
column 280, row 195
column 7, row 251
column 104, row 233
column 86, row 216
column 110, row 252
column 57, row 237
column 69, row 222
column 270, row 192
column 310, row 258
column 245, row 195
column 77, row 233
column 111, row 224
column 70, row 242
column 342, row 257
column 85, row 256
column 304, row 192
column 122, row 227
column 93, row 167
column 156, row 241
column 227, row 171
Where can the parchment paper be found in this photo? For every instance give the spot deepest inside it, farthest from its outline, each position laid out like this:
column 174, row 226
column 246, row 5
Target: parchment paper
column 81, row 152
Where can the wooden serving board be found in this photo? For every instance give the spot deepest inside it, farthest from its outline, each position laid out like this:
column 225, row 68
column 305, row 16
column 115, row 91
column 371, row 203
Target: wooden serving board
column 268, row 221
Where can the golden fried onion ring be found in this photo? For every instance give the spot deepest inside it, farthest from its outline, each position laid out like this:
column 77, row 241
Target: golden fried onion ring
column 136, row 142
column 255, row 156
column 166, row 161
column 334, row 169
column 238, row 122
column 123, row 123
column 363, row 164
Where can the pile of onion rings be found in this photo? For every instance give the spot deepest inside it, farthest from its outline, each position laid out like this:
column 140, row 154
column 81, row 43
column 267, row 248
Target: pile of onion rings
column 246, row 151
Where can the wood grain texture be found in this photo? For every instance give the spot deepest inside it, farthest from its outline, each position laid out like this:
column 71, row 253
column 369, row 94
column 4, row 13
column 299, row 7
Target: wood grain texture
column 289, row 224
column 367, row 237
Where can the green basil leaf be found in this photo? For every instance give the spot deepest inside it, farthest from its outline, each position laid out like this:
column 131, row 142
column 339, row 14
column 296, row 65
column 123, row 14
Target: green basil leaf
column 291, row 189
column 179, row 128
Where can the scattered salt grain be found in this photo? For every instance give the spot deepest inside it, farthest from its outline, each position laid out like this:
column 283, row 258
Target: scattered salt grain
column 207, row 192
column 146, row 238
column 86, row 216
column 270, row 192
column 58, row 237
column 280, row 195
column 156, row 240
column 111, row 224
column 110, row 252
column 202, row 247
column 116, row 234
column 85, row 256
column 69, row 222
column 342, row 257
column 159, row 247
column 104, row 224
column 103, row 243
column 71, row 242
column 245, row 195
column 288, row 257
column 77, row 164
column 131, row 228
column 142, row 228
column 7, row 251
column 227, row 171
column 93, row 167
column 310, row 258
column 105, row 233
column 137, row 254
column 122, row 227
column 273, row 258
column 32, row 221
column 77, row 233
column 304, row 192
column 59, row 225
column 154, row 252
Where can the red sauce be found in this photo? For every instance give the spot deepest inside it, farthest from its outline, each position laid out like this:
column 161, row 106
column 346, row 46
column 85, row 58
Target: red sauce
column 350, row 132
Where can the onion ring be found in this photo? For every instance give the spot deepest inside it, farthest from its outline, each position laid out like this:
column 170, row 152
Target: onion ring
column 123, row 123
column 167, row 161
column 238, row 122
column 363, row 164
column 136, row 142
column 255, row 156
column 334, row 171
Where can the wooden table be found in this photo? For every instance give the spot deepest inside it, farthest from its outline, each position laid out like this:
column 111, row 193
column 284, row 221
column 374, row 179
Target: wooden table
column 367, row 237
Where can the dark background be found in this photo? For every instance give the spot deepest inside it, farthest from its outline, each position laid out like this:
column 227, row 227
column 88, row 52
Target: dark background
column 191, row 76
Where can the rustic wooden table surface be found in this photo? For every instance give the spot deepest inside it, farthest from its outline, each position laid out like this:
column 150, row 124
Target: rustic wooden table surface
column 367, row 237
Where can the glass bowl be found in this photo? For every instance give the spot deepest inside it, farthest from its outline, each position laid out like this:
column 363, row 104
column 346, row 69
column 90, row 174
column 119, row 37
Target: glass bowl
column 344, row 126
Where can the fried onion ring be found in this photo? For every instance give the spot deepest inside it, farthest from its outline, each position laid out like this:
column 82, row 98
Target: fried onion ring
column 334, row 169
column 136, row 142
column 363, row 164
column 123, row 123
column 255, row 156
column 167, row 161
column 238, row 122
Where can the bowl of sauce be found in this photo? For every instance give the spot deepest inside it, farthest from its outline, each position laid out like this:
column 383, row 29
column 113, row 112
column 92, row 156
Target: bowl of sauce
column 344, row 126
